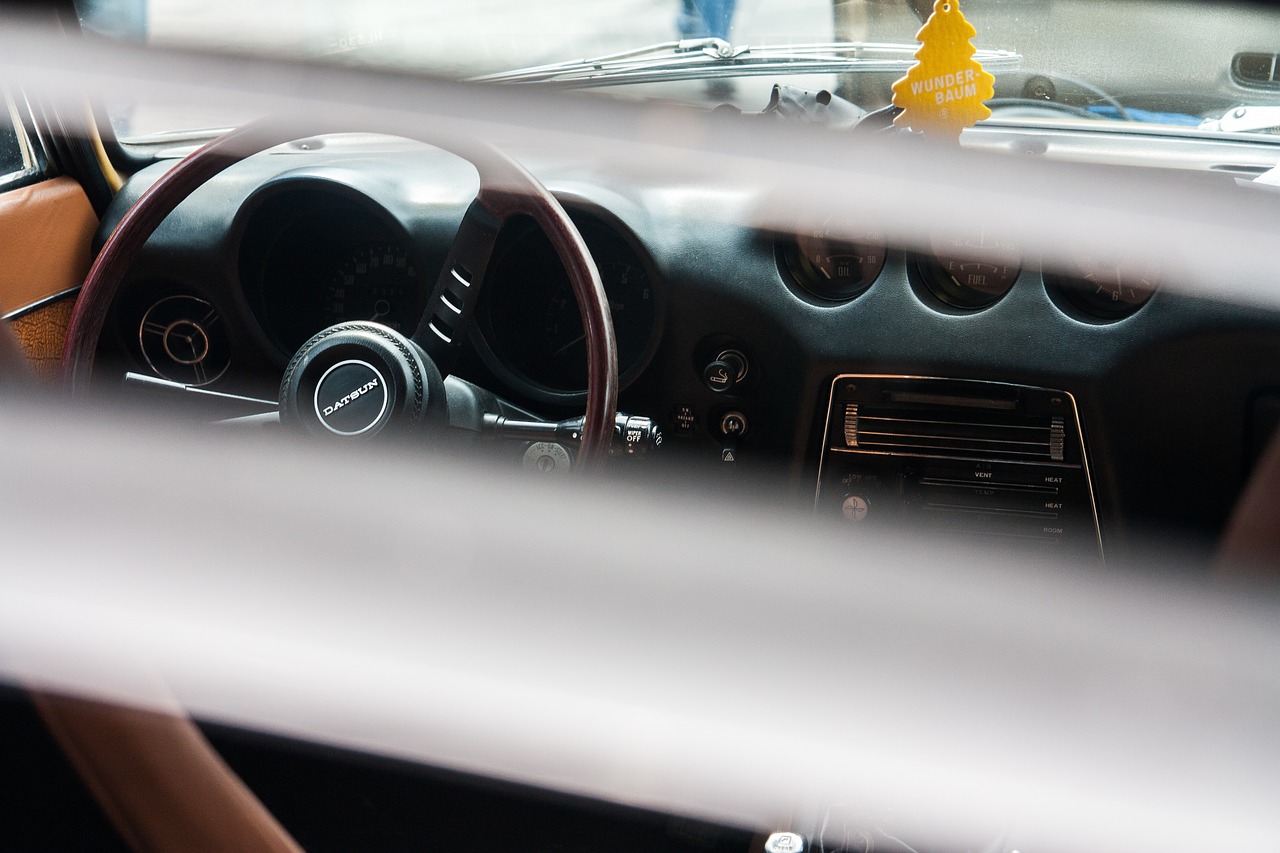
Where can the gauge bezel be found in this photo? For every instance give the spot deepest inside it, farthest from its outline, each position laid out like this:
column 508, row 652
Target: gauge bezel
column 590, row 219
column 217, row 340
column 810, row 283
column 1078, row 298
column 941, row 289
column 370, row 252
column 266, row 222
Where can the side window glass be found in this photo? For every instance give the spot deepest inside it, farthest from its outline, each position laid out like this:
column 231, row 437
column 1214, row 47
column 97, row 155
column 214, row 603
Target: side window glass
column 19, row 162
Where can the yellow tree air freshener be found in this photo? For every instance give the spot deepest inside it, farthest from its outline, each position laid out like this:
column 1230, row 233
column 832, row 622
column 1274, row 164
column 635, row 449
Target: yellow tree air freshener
column 943, row 93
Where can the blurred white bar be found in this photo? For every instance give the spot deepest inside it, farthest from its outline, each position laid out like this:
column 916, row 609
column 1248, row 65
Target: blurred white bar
column 635, row 647
column 1213, row 238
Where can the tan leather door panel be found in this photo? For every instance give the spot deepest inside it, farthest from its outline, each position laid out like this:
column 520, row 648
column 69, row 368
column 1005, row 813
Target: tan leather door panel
column 46, row 230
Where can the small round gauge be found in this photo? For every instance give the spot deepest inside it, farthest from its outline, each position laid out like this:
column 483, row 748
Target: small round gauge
column 530, row 325
column 183, row 340
column 376, row 282
column 833, row 262
column 1106, row 287
column 971, row 270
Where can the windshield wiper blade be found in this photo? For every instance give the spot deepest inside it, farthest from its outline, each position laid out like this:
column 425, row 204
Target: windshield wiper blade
column 711, row 57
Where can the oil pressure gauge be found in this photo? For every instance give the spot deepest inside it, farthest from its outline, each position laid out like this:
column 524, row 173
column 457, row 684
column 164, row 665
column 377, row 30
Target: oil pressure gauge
column 834, row 262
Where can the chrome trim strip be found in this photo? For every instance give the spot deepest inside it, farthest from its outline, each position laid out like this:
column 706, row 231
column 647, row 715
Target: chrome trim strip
column 40, row 303
column 1047, row 463
column 444, row 297
column 439, row 334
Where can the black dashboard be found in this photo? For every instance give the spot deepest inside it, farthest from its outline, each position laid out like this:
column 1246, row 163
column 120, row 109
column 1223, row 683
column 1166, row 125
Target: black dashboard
column 730, row 336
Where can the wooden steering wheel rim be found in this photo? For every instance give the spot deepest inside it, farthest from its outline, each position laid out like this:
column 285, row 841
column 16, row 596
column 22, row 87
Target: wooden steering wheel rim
column 506, row 190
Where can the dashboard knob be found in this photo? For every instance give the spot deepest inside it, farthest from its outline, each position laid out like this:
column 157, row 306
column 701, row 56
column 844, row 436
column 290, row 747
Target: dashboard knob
column 855, row 508
column 732, row 427
column 726, row 372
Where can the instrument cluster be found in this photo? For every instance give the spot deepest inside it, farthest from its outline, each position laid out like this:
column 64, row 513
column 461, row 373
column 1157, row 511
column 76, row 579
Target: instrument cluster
column 314, row 256
column 833, row 263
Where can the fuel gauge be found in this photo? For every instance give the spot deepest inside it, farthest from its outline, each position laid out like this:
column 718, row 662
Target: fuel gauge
column 971, row 270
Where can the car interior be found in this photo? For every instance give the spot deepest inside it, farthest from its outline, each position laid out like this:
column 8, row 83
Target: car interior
column 330, row 279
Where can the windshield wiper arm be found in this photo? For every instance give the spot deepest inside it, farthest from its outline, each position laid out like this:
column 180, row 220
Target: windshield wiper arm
column 1245, row 120
column 712, row 57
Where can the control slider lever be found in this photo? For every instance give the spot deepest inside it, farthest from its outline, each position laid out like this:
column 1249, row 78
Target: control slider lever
column 633, row 435
column 230, row 404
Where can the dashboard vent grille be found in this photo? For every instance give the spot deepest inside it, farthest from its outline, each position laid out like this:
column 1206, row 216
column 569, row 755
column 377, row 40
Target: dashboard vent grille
column 1256, row 69
column 937, row 432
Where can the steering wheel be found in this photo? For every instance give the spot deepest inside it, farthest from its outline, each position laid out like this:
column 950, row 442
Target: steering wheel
column 506, row 190
column 157, row 777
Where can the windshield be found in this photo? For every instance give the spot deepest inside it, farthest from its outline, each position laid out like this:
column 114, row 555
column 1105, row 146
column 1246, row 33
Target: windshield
column 1149, row 63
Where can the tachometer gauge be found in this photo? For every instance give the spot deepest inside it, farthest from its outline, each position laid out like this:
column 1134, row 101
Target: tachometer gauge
column 531, row 328
column 561, row 351
column 833, row 262
column 376, row 283
column 971, row 270
column 1105, row 287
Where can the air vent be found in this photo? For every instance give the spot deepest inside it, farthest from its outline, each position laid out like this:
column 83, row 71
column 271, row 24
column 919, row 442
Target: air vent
column 1256, row 70
column 184, row 340
column 937, row 432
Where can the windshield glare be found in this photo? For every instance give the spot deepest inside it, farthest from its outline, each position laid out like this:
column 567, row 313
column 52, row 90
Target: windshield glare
column 1144, row 63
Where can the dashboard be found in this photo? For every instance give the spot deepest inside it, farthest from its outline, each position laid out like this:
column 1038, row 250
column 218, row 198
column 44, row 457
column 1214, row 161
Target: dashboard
column 739, row 342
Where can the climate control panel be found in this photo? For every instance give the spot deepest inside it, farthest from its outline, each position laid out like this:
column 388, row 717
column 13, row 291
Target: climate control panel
column 984, row 461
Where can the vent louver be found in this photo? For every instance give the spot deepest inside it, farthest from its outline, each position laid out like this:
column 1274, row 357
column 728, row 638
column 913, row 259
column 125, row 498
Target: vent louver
column 1256, row 70
column 986, row 435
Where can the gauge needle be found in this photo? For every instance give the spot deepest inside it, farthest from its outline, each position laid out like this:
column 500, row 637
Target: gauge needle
column 562, row 349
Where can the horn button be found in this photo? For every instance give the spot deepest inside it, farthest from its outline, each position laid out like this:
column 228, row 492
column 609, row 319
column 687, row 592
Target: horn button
column 358, row 380
column 351, row 397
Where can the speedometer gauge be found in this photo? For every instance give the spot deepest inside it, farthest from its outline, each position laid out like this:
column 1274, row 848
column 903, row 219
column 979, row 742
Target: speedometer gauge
column 315, row 254
column 375, row 283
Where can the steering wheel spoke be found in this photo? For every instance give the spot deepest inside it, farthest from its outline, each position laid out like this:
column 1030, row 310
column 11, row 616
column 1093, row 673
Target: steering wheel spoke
column 443, row 328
